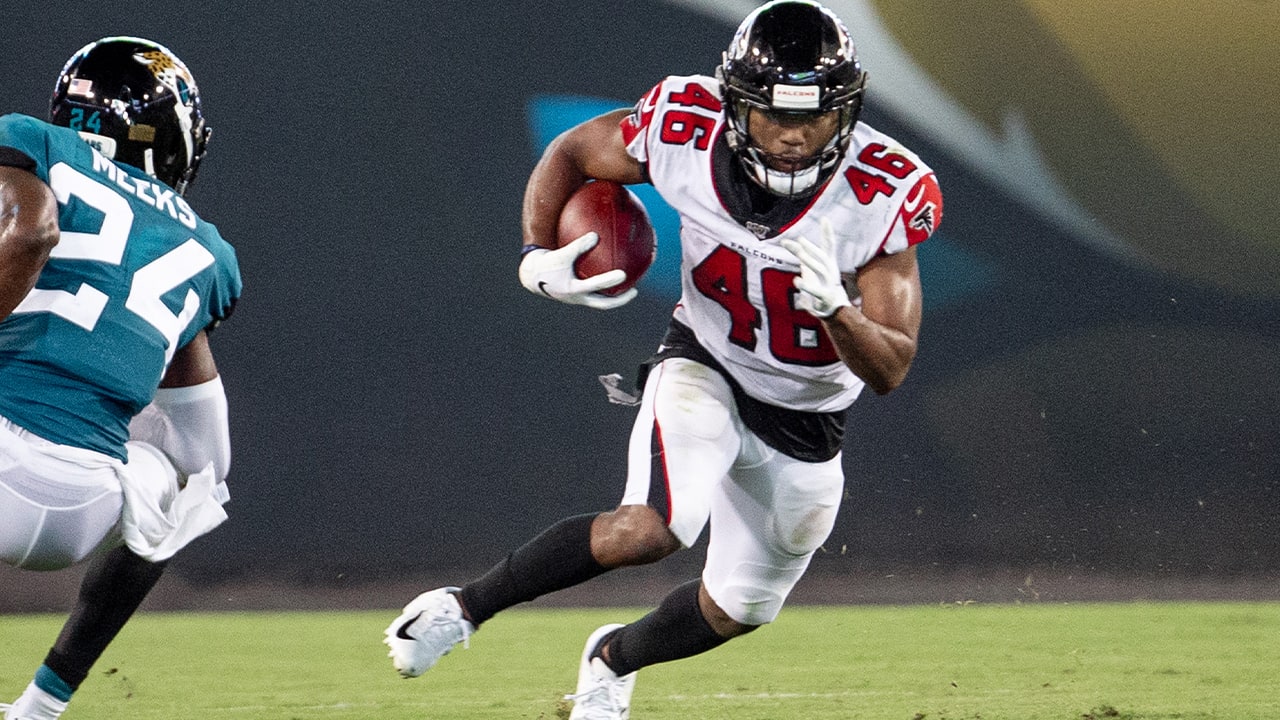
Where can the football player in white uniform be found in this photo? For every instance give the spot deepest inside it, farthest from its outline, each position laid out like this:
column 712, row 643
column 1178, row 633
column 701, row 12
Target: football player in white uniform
column 799, row 287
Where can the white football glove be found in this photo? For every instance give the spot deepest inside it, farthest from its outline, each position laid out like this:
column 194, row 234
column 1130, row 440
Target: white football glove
column 821, row 289
column 550, row 273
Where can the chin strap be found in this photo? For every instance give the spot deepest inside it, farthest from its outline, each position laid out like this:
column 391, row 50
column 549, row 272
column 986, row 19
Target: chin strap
column 787, row 184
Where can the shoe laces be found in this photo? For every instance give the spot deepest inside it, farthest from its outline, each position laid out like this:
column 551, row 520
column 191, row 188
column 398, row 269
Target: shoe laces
column 456, row 624
column 605, row 697
column 449, row 621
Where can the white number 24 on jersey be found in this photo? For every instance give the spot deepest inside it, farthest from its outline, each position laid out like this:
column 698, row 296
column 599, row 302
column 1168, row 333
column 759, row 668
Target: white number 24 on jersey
column 149, row 283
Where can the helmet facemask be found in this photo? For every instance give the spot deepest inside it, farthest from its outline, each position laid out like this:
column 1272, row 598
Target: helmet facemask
column 791, row 58
column 811, row 172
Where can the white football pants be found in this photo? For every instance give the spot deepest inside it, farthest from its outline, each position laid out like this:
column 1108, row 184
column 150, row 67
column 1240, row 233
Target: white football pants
column 692, row 459
column 58, row 504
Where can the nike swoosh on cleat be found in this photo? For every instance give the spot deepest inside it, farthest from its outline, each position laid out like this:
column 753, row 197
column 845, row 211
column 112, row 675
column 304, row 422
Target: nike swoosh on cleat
column 542, row 285
column 401, row 631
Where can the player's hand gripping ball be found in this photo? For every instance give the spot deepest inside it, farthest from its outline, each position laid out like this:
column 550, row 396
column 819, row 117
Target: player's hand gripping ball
column 604, row 244
column 625, row 235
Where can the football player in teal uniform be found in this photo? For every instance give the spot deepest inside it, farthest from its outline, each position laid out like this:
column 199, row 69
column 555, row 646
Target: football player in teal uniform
column 114, row 441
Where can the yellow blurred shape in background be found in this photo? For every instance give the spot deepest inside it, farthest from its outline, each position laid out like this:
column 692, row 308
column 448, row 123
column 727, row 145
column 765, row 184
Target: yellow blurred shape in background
column 1199, row 81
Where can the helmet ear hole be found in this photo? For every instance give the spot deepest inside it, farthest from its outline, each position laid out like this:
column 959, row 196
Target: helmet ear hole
column 139, row 96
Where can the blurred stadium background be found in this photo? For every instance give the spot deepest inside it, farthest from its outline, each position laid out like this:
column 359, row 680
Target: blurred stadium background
column 1093, row 411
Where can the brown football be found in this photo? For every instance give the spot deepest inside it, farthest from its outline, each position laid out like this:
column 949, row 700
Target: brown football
column 626, row 242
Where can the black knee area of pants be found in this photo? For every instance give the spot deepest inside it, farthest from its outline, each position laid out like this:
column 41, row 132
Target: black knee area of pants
column 675, row 629
column 113, row 588
column 557, row 558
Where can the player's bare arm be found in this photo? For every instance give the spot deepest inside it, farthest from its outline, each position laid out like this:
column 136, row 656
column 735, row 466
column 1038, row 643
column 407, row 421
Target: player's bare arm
column 28, row 231
column 593, row 149
column 192, row 364
column 878, row 341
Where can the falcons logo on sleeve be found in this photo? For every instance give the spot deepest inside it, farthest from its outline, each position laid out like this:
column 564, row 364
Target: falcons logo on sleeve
column 923, row 221
column 922, row 210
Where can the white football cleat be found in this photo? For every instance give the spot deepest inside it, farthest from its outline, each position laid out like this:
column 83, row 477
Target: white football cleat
column 426, row 631
column 601, row 695
column 33, row 704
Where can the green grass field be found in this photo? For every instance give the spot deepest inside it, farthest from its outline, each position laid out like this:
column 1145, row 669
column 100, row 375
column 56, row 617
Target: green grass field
column 1139, row 661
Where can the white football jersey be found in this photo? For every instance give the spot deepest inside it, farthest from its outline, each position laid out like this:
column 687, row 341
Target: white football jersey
column 736, row 279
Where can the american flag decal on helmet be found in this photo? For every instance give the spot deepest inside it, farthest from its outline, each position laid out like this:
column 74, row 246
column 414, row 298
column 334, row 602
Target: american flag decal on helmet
column 81, row 86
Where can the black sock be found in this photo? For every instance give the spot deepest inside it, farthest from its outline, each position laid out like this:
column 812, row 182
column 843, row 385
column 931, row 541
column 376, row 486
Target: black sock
column 675, row 629
column 113, row 588
column 557, row 558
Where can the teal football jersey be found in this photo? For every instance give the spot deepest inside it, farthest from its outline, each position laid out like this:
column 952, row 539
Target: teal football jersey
column 134, row 276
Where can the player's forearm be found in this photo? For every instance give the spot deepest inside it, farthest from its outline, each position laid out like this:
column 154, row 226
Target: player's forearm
column 28, row 231
column 20, row 263
column 190, row 426
column 550, row 184
column 879, row 355
column 593, row 149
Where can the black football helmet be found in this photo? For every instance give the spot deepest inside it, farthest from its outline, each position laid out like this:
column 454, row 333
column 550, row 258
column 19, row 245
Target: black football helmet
column 791, row 57
column 137, row 103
